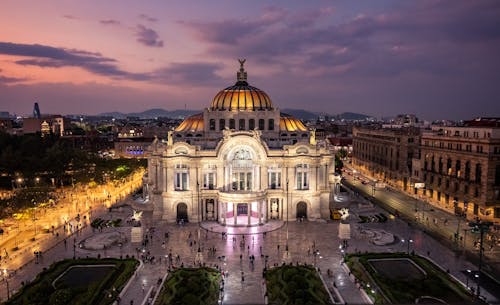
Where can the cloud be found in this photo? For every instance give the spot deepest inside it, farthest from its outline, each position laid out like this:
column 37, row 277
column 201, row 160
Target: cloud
column 69, row 17
column 10, row 80
column 47, row 56
column 148, row 37
column 109, row 22
column 197, row 73
column 443, row 37
column 148, row 18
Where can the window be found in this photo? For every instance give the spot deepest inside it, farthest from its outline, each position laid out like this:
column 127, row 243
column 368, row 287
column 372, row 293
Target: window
column 457, row 168
column 181, row 176
column 274, row 179
column 242, row 124
column 222, row 124
column 209, row 181
column 302, row 171
column 242, row 181
column 212, row 124
column 251, row 124
column 448, row 166
column 440, row 165
column 478, row 172
column 271, row 124
column 261, row 124
column 467, row 171
column 231, row 124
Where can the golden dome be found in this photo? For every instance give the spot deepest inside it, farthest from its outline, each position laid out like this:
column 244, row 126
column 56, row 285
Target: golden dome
column 241, row 96
column 289, row 123
column 193, row 123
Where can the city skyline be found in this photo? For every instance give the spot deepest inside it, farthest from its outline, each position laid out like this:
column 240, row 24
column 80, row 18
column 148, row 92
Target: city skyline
column 436, row 59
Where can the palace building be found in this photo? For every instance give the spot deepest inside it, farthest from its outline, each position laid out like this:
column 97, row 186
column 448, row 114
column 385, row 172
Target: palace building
column 240, row 162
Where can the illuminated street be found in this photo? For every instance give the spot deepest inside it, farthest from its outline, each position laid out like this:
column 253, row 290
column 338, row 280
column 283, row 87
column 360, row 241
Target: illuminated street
column 42, row 228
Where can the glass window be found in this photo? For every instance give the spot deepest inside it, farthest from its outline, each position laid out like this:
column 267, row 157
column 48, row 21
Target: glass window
column 222, row 124
column 274, row 180
column 181, row 177
column 302, row 176
column 271, row 124
column 231, row 124
column 212, row 124
column 209, row 181
column 261, row 124
column 251, row 124
column 242, row 124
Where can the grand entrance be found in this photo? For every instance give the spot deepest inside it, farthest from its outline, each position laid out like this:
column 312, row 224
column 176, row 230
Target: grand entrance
column 301, row 210
column 182, row 213
column 242, row 214
column 242, row 209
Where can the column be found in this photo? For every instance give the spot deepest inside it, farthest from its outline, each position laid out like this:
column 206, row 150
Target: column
column 259, row 205
column 280, row 209
column 203, row 209
column 224, row 212
column 249, row 212
column 235, row 214
column 164, row 168
column 216, row 210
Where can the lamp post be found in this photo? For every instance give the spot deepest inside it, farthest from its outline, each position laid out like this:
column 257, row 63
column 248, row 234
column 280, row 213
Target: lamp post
column 5, row 275
column 480, row 227
column 286, row 255
column 467, row 278
column 34, row 217
column 408, row 242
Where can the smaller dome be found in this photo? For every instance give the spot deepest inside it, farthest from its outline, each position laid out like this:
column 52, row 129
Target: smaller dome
column 289, row 123
column 193, row 123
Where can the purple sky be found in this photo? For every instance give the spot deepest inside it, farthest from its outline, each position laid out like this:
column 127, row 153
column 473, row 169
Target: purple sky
column 436, row 59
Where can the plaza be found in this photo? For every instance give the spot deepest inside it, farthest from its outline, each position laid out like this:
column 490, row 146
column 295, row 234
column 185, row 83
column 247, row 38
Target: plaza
column 315, row 243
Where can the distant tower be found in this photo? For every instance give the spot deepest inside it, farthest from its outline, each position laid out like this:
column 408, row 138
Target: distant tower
column 36, row 111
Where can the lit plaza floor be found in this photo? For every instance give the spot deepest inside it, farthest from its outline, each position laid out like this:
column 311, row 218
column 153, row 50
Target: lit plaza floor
column 244, row 284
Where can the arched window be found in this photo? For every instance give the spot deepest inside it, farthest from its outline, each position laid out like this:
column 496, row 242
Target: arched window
column 242, row 168
column 231, row 124
column 212, row 124
column 242, row 124
column 222, row 124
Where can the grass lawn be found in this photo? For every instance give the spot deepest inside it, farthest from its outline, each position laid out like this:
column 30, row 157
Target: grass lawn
column 402, row 281
column 290, row 285
column 191, row 286
column 91, row 290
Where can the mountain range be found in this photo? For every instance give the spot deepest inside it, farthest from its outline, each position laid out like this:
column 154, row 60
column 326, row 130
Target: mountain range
column 180, row 114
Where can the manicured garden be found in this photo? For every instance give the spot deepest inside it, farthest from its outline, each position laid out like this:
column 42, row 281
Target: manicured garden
column 399, row 278
column 191, row 286
column 98, row 282
column 290, row 285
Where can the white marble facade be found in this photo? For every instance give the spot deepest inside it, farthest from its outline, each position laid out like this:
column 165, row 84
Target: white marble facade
column 243, row 176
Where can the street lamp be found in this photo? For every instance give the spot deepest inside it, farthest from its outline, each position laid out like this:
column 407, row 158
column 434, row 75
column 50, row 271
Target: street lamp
column 5, row 275
column 480, row 227
column 408, row 242
column 34, row 217
column 467, row 279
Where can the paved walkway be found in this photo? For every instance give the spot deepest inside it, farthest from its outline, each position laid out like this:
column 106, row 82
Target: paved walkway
column 244, row 284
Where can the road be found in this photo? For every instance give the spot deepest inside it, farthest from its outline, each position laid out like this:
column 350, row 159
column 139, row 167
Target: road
column 449, row 228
